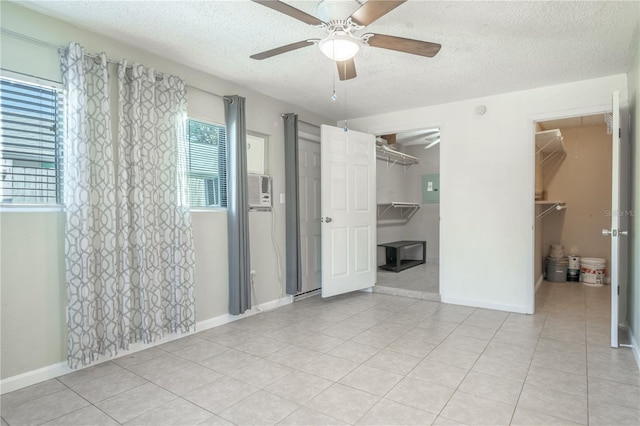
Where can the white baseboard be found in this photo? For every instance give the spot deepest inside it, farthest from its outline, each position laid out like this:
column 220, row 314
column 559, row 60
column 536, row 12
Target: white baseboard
column 539, row 282
column 634, row 345
column 59, row 369
column 482, row 304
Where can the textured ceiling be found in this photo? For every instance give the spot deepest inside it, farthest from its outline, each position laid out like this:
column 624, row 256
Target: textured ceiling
column 488, row 47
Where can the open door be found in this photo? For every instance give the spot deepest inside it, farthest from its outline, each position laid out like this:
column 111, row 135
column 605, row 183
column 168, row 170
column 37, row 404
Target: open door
column 619, row 205
column 348, row 205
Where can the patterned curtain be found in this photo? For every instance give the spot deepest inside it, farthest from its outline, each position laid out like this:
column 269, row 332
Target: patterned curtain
column 128, row 244
column 95, row 303
column 154, row 235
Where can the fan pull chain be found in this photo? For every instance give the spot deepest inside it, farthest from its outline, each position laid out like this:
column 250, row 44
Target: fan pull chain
column 334, row 96
column 346, row 128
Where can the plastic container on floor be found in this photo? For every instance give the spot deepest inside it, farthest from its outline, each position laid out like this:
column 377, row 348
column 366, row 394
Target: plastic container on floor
column 574, row 262
column 556, row 269
column 573, row 273
column 593, row 270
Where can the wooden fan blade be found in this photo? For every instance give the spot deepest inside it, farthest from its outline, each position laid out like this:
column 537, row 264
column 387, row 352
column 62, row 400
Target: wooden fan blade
column 346, row 69
column 406, row 45
column 374, row 9
column 282, row 49
column 290, row 11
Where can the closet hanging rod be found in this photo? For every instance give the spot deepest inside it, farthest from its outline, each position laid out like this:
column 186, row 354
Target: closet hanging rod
column 48, row 45
column 556, row 206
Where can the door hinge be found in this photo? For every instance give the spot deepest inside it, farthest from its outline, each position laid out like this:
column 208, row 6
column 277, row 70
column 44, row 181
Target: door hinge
column 619, row 132
column 618, row 290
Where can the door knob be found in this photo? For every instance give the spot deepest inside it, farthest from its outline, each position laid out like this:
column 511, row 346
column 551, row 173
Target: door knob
column 614, row 232
column 328, row 219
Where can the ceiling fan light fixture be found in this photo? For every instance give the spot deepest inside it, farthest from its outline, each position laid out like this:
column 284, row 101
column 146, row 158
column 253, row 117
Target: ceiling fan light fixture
column 339, row 47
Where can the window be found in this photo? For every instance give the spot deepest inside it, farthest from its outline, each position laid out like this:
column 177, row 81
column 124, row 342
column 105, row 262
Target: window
column 31, row 143
column 207, row 164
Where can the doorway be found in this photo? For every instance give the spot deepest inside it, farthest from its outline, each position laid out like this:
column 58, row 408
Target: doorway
column 573, row 189
column 408, row 202
column 309, row 192
column 574, row 193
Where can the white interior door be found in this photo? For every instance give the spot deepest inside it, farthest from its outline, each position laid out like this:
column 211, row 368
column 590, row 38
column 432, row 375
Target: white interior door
column 310, row 242
column 619, row 205
column 348, row 210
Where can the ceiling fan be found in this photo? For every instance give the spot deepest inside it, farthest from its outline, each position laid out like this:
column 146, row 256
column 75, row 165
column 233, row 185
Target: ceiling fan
column 341, row 44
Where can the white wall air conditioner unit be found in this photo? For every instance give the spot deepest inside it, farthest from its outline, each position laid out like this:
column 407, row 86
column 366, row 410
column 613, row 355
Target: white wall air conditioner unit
column 259, row 191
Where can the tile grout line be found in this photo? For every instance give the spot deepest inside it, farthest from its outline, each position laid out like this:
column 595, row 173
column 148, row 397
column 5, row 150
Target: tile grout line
column 407, row 374
column 470, row 368
column 89, row 402
column 524, row 382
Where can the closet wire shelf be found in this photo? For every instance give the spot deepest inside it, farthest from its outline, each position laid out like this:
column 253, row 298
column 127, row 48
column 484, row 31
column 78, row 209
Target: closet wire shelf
column 550, row 145
column 395, row 157
column 407, row 210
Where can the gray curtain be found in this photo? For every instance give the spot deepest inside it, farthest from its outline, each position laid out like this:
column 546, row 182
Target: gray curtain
column 292, row 208
column 237, row 206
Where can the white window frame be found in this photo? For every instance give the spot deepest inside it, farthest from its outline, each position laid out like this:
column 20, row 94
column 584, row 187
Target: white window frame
column 212, row 123
column 32, row 207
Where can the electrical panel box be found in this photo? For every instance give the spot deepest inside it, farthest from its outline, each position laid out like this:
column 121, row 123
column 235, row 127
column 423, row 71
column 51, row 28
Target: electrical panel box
column 431, row 189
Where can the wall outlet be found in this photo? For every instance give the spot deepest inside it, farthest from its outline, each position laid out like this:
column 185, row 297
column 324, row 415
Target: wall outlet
column 253, row 276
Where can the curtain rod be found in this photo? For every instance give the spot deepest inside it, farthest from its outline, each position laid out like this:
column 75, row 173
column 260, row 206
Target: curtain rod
column 301, row 121
column 43, row 43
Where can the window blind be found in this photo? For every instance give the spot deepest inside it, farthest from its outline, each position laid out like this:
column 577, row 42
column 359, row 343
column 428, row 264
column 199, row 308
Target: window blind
column 207, row 164
column 31, row 146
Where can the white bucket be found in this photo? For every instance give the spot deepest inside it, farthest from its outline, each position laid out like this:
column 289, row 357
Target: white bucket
column 592, row 270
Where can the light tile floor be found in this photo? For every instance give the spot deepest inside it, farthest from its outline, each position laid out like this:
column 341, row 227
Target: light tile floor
column 422, row 282
column 365, row 359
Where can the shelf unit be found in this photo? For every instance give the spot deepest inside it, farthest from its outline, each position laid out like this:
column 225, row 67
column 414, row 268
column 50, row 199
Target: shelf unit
column 550, row 145
column 394, row 254
column 407, row 210
column 395, row 157
column 551, row 206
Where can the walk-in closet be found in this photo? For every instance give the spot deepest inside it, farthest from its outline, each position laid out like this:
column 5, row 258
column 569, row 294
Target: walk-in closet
column 573, row 200
column 408, row 203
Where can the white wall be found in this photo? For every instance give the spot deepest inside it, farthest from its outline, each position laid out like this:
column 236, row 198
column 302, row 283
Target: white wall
column 33, row 287
column 487, row 183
